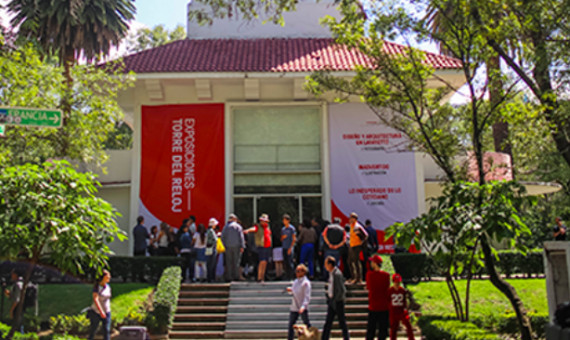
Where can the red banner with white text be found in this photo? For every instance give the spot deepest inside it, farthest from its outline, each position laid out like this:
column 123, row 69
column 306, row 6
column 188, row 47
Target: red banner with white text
column 182, row 163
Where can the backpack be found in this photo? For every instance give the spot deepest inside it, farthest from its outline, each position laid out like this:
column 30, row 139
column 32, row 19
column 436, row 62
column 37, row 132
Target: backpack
column 31, row 295
column 562, row 314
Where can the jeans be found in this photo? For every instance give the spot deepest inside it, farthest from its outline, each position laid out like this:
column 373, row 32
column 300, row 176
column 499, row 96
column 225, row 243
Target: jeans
column 211, row 261
column 354, row 262
column 293, row 316
column 288, row 264
column 308, row 256
column 377, row 321
column 335, row 308
column 95, row 319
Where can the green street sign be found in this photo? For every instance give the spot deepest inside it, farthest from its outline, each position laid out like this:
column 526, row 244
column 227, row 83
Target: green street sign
column 2, row 130
column 31, row 117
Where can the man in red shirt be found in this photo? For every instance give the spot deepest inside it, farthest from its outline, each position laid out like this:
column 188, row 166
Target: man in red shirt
column 263, row 242
column 377, row 283
column 398, row 311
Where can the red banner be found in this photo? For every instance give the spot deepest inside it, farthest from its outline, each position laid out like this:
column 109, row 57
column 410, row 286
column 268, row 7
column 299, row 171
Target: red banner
column 182, row 163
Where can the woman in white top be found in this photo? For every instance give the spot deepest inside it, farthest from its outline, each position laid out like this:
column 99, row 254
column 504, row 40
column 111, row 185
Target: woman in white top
column 199, row 243
column 163, row 238
column 100, row 311
column 301, row 291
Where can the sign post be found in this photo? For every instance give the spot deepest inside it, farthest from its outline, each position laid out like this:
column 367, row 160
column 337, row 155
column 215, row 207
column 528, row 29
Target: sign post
column 31, row 117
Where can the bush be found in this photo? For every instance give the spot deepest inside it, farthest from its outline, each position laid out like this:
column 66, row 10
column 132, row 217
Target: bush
column 160, row 318
column 508, row 324
column 5, row 329
column 413, row 267
column 72, row 324
column 441, row 328
column 129, row 268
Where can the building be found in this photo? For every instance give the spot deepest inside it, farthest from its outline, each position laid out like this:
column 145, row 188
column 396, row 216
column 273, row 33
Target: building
column 223, row 124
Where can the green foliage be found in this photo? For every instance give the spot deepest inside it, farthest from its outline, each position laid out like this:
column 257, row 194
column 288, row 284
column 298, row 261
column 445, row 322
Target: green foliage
column 146, row 38
column 204, row 11
column 72, row 298
column 50, row 214
column 129, row 268
column 121, row 138
column 5, row 329
column 160, row 318
column 30, row 80
column 438, row 328
column 72, row 324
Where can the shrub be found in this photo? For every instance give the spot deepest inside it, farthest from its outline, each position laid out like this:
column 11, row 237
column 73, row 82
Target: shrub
column 441, row 328
column 5, row 329
column 160, row 318
column 129, row 268
column 72, row 324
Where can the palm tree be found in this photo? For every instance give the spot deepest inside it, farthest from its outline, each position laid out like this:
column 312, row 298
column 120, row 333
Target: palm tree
column 72, row 28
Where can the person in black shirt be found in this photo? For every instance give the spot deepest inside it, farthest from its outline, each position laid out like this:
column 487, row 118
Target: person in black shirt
column 559, row 230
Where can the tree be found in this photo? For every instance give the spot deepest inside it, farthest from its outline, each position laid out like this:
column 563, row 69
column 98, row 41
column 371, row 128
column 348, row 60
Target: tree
column 30, row 80
column 146, row 38
column 71, row 29
column 397, row 88
column 49, row 215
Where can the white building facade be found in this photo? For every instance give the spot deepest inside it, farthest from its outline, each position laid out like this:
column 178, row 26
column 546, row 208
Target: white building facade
column 223, row 124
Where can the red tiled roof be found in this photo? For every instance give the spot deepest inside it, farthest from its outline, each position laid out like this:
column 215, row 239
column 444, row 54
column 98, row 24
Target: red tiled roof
column 260, row 55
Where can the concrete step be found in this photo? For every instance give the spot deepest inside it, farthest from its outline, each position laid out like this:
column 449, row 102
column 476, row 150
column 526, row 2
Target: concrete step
column 282, row 324
column 275, row 300
column 204, row 294
column 204, row 286
column 196, row 335
column 273, row 308
column 201, row 309
column 284, row 315
column 198, row 326
column 200, row 317
column 282, row 334
column 203, row 302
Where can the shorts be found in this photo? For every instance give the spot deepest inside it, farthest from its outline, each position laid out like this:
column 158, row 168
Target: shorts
column 278, row 254
column 264, row 253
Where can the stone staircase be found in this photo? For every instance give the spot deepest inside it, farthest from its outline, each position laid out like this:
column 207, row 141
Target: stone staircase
column 251, row 310
column 201, row 312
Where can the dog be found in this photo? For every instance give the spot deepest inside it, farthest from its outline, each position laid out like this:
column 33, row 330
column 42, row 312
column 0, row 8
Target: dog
column 304, row 333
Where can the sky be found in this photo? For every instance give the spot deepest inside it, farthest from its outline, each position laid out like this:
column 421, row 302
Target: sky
column 167, row 12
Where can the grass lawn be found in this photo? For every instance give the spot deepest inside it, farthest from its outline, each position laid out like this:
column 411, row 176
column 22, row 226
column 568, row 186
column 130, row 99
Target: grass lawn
column 486, row 302
column 72, row 298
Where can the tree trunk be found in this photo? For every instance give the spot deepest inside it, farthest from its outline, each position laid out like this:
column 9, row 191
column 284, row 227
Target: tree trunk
column 508, row 290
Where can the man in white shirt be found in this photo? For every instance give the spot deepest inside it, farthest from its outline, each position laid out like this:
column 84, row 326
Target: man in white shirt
column 301, row 291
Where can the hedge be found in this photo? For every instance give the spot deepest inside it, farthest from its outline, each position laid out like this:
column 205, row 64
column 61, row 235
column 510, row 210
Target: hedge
column 441, row 328
column 5, row 329
column 165, row 302
column 126, row 268
column 413, row 267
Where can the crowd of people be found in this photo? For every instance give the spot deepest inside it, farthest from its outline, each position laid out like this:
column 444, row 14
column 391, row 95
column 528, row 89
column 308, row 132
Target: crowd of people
column 212, row 253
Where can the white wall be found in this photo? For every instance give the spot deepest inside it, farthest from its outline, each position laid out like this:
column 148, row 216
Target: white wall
column 303, row 23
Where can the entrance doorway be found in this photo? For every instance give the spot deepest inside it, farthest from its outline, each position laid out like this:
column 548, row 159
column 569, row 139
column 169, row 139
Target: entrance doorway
column 298, row 206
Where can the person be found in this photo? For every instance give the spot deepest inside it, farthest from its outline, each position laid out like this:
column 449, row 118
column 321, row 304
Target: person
column 232, row 238
column 199, row 244
column 192, row 221
column 277, row 254
column 398, row 312
column 14, row 293
column 334, row 238
column 357, row 240
column 211, row 242
column 559, row 230
column 301, row 291
column 100, row 311
column 288, row 238
column 371, row 246
column 140, row 235
column 307, row 239
column 186, row 252
column 336, row 297
column 153, row 243
column 377, row 283
column 262, row 233
column 162, row 239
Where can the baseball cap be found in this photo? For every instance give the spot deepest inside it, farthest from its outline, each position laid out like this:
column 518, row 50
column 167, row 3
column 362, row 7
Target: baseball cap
column 397, row 278
column 376, row 259
column 353, row 214
column 264, row 218
column 212, row 222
